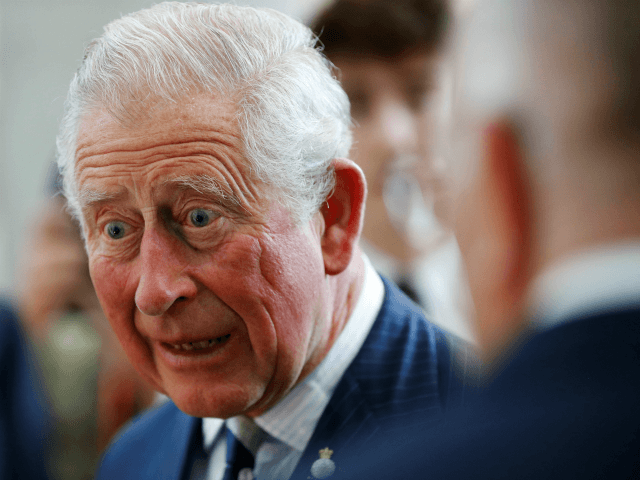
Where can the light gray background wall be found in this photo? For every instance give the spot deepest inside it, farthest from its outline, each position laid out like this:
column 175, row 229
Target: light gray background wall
column 41, row 44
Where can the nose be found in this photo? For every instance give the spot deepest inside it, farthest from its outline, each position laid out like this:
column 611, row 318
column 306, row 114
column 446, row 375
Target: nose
column 164, row 280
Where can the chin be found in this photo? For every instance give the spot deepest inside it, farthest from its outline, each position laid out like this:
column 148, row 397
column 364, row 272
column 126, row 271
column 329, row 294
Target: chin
column 215, row 405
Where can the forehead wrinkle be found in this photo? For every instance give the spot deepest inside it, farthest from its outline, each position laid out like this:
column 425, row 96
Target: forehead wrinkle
column 179, row 133
column 94, row 152
column 174, row 128
column 160, row 172
column 157, row 162
column 229, row 184
column 243, row 185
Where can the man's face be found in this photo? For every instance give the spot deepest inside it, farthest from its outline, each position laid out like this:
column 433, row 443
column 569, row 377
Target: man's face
column 390, row 105
column 216, row 296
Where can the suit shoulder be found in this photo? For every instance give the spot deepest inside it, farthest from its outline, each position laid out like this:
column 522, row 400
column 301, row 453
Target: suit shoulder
column 146, row 423
column 405, row 367
column 138, row 441
column 402, row 329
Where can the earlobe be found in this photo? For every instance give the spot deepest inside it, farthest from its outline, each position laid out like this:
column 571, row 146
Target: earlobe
column 343, row 214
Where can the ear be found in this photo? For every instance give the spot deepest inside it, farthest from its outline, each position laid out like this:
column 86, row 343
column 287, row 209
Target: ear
column 343, row 214
column 499, row 260
column 511, row 188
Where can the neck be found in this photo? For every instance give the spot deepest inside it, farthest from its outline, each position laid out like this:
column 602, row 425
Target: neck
column 343, row 293
column 345, row 289
column 584, row 193
column 586, row 211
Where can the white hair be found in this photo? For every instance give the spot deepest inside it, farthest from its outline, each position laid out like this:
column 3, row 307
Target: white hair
column 293, row 115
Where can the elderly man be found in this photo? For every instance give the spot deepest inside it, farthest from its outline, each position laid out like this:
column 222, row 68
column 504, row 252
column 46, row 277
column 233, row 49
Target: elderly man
column 202, row 148
column 548, row 108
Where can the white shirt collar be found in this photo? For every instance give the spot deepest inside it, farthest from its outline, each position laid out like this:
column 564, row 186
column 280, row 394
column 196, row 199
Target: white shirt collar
column 587, row 282
column 294, row 419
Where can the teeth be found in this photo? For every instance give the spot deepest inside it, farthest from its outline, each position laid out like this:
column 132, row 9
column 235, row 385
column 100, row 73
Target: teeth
column 200, row 345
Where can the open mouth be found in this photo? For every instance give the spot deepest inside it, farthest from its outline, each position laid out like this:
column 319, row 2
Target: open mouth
column 195, row 346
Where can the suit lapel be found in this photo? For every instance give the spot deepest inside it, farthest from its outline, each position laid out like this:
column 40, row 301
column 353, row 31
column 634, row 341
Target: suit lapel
column 346, row 417
column 178, row 447
column 348, row 422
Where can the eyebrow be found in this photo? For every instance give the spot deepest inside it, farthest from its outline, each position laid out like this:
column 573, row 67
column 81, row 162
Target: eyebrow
column 88, row 197
column 203, row 184
column 207, row 185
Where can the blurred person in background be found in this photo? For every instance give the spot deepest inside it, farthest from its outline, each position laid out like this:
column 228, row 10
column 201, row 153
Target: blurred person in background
column 545, row 150
column 388, row 56
column 25, row 424
column 92, row 387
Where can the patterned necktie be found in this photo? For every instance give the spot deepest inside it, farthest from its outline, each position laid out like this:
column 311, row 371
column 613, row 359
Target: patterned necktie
column 238, row 458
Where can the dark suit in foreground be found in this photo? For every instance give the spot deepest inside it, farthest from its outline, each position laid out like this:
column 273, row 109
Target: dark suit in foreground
column 403, row 374
column 565, row 406
column 24, row 419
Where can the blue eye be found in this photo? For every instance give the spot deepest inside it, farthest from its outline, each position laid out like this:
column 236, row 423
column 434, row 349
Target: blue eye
column 115, row 230
column 199, row 217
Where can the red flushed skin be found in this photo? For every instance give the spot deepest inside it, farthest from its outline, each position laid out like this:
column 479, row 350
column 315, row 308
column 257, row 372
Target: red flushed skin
column 250, row 273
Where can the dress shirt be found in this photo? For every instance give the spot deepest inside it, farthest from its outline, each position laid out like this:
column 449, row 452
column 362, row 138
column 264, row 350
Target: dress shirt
column 588, row 282
column 286, row 428
column 439, row 280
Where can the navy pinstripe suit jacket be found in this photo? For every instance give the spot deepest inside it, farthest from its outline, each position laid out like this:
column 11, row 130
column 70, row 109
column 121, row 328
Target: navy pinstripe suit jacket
column 404, row 374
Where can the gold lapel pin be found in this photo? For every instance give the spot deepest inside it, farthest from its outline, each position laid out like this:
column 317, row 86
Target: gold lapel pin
column 324, row 466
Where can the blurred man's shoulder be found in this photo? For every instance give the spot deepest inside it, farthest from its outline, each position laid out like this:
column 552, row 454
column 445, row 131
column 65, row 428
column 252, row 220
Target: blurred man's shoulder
column 563, row 406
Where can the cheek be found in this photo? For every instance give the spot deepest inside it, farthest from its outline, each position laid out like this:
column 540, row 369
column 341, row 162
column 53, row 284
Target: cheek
column 292, row 265
column 232, row 273
column 295, row 268
column 105, row 280
column 287, row 273
column 117, row 298
column 112, row 288
column 273, row 276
